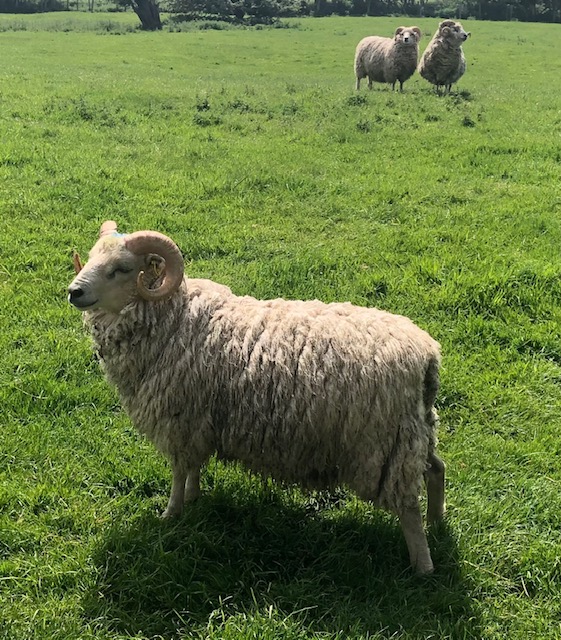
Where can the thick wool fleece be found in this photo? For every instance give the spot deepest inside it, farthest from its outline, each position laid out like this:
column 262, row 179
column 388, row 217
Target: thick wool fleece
column 385, row 59
column 443, row 62
column 306, row 392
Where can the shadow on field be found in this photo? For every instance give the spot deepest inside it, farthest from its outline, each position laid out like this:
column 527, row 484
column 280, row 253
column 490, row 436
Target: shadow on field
column 324, row 568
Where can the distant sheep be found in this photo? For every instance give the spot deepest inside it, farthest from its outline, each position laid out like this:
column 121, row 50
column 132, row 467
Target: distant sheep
column 306, row 392
column 388, row 59
column 443, row 62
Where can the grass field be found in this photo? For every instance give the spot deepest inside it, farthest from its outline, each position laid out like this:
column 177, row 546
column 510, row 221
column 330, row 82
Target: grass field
column 252, row 150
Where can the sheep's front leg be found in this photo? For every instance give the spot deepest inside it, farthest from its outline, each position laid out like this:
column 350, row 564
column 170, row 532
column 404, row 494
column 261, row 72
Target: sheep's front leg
column 177, row 495
column 434, row 477
column 412, row 526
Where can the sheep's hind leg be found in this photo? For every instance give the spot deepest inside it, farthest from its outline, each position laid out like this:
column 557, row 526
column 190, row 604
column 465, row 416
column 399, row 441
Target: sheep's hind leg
column 177, row 495
column 412, row 526
column 192, row 487
column 434, row 478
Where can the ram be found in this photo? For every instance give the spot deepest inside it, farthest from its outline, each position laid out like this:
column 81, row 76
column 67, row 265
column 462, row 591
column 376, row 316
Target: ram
column 310, row 393
column 443, row 61
column 388, row 59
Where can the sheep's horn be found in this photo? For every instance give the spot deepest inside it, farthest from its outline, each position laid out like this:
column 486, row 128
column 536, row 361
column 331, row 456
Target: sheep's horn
column 143, row 242
column 108, row 227
column 77, row 262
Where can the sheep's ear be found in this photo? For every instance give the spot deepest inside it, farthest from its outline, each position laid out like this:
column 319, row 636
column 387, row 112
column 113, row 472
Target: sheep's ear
column 76, row 262
column 398, row 31
column 155, row 264
column 417, row 31
column 468, row 34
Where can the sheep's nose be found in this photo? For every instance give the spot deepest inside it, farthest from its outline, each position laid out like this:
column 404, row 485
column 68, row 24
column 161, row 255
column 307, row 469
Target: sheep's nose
column 75, row 294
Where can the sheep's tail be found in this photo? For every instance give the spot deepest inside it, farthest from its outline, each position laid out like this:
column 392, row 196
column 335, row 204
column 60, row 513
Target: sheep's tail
column 359, row 64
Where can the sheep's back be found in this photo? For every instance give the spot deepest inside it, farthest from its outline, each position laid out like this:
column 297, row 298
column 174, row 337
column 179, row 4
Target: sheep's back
column 370, row 56
column 309, row 390
column 384, row 60
column 440, row 64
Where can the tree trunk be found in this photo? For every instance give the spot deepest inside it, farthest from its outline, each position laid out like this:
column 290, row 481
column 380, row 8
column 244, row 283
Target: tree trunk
column 148, row 13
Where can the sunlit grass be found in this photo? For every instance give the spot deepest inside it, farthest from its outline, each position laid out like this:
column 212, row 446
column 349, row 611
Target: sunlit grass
column 252, row 150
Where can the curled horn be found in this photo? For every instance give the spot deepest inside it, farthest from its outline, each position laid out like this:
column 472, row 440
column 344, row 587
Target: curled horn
column 77, row 262
column 143, row 242
column 108, row 227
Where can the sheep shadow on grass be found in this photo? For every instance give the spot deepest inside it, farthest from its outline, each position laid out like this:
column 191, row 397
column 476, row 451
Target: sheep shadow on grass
column 330, row 569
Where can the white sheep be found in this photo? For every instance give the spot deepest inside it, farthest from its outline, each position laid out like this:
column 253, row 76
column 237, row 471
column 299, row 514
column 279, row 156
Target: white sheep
column 388, row 59
column 305, row 392
column 443, row 62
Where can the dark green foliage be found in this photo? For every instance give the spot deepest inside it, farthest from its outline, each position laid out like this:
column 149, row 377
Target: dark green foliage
column 237, row 11
column 30, row 6
column 268, row 11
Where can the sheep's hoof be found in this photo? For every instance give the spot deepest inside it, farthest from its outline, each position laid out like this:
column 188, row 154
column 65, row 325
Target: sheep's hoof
column 424, row 569
column 191, row 496
column 169, row 513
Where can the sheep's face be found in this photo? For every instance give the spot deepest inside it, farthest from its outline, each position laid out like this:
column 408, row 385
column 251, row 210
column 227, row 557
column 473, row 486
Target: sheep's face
column 408, row 36
column 453, row 33
column 108, row 280
column 121, row 269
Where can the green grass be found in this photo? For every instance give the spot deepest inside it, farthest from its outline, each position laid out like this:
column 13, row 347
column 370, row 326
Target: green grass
column 71, row 21
column 251, row 149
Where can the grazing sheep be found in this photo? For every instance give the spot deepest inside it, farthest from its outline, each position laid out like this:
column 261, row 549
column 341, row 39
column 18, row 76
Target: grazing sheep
column 443, row 62
column 306, row 392
column 388, row 59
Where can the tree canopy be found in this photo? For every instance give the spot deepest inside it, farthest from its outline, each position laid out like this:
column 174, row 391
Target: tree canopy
column 266, row 11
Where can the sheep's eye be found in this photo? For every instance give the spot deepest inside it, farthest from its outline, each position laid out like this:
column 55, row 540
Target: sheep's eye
column 117, row 270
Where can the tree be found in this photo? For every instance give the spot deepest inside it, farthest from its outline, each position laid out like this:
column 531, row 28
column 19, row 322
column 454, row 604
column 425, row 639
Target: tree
column 148, row 13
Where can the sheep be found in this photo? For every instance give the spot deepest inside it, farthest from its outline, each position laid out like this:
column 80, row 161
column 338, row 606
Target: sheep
column 305, row 392
column 388, row 59
column 443, row 62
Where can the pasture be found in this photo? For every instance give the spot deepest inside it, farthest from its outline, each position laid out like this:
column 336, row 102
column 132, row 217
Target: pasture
column 253, row 151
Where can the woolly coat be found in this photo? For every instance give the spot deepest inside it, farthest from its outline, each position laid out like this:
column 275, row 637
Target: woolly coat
column 306, row 392
column 443, row 63
column 385, row 60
